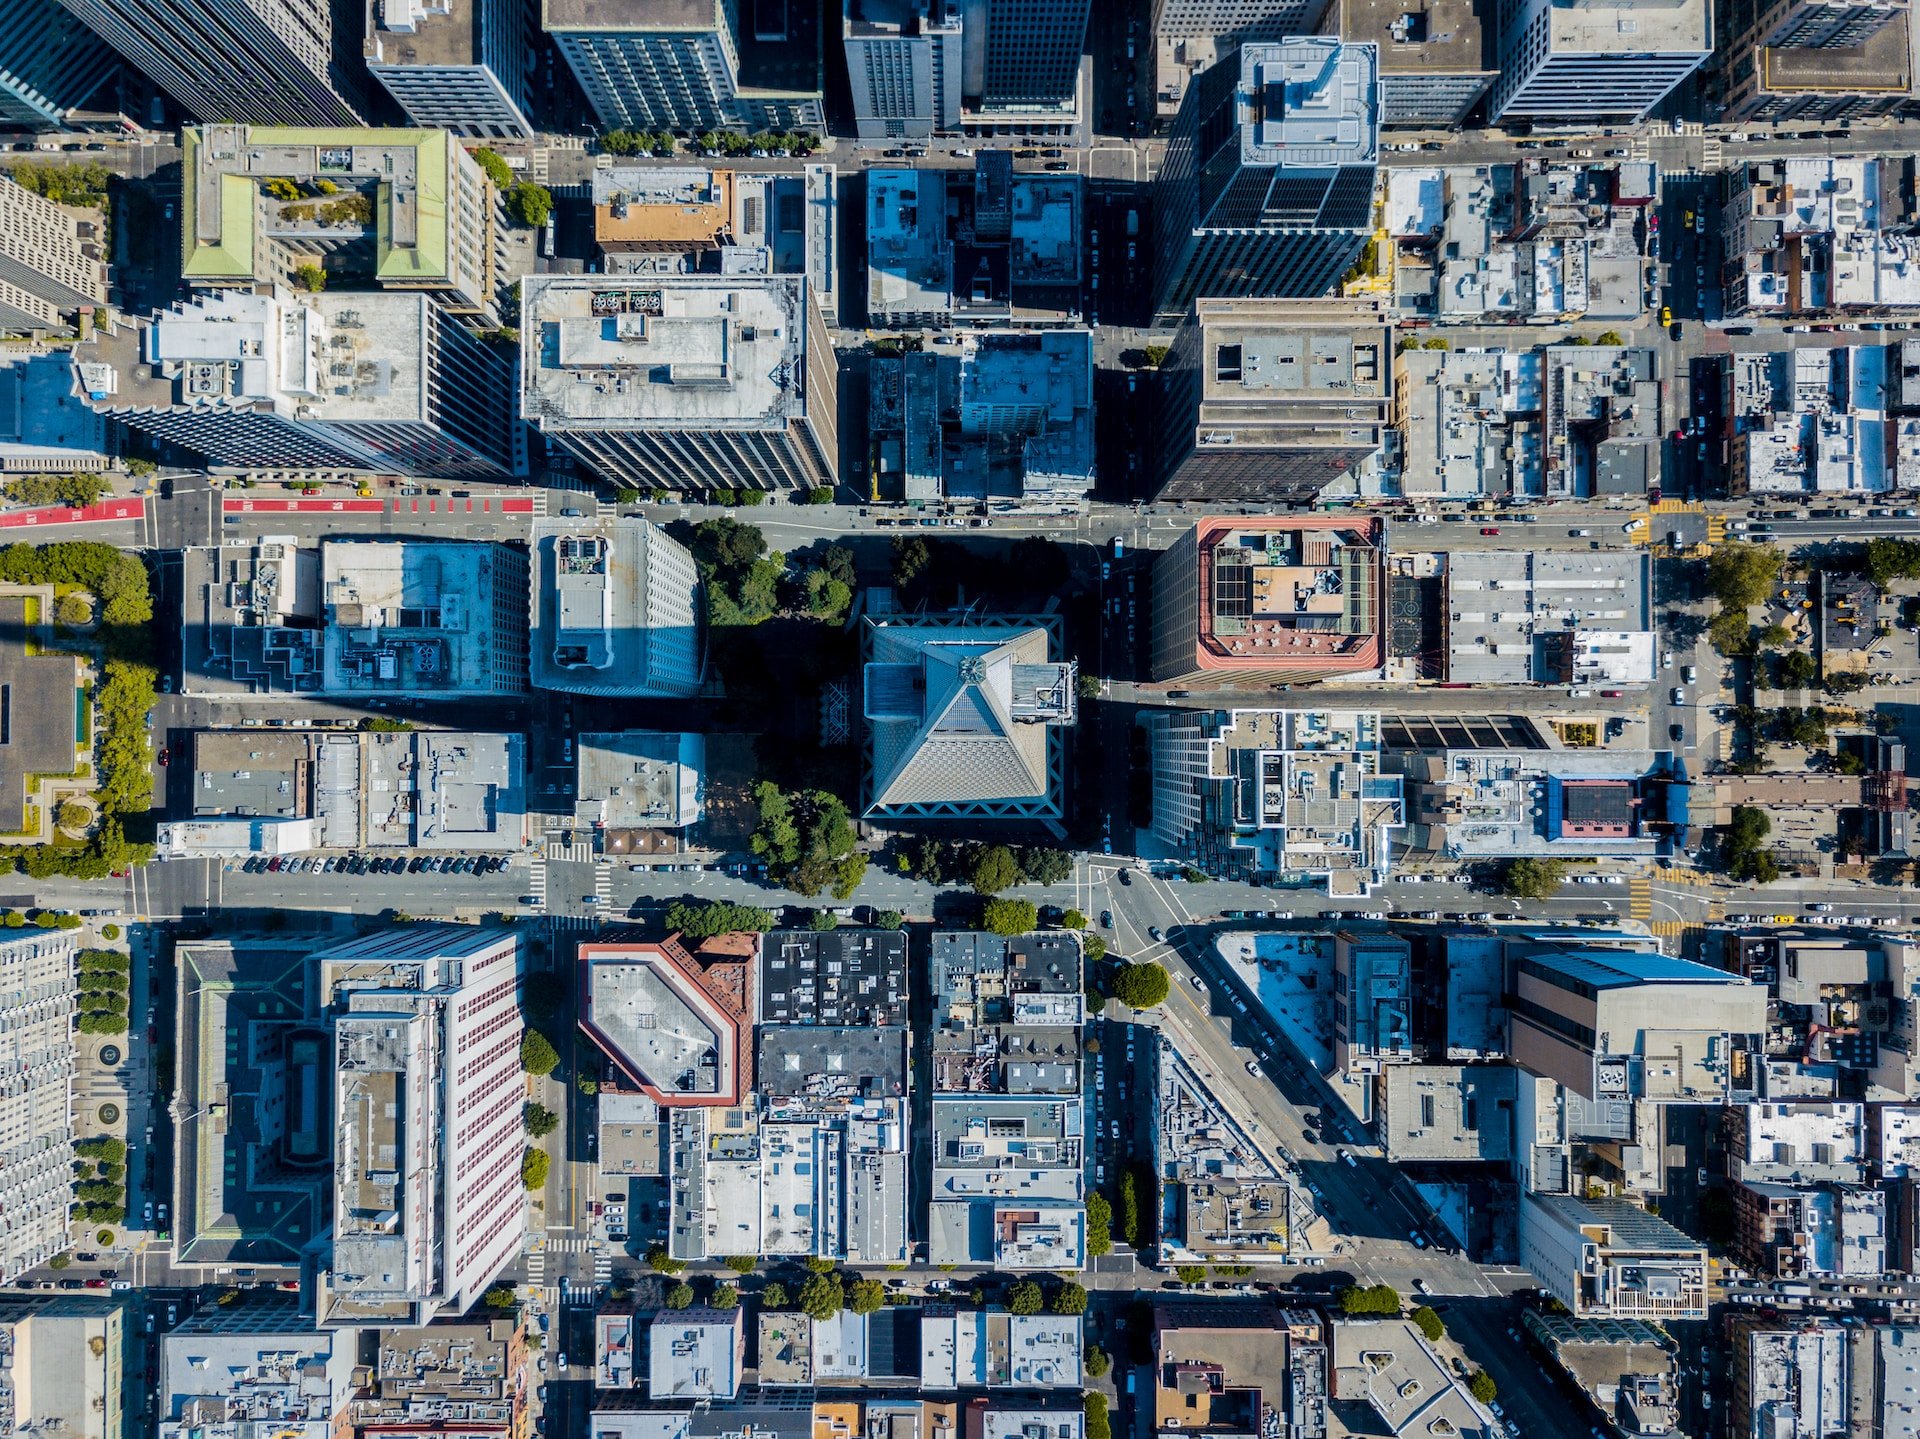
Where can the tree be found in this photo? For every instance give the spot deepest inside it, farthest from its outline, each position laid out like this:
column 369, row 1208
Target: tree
column 889, row 919
column 1741, row 574
column 994, row 868
column 1025, row 1298
column 808, row 840
column 533, row 1169
column 495, row 166
column 1190, row 1273
column 911, row 556
column 1099, row 1225
column 1009, row 916
column 741, row 1263
column 309, row 277
column 1429, row 1324
column 529, row 204
column 1742, row 850
column 662, row 1262
column 679, row 1296
column 1609, row 337
column 1095, row 948
column 1795, row 669
column 1046, row 866
column 822, row 1296
column 774, row 1296
column 1096, row 1363
column 1089, row 687
column 539, row 1120
column 1069, row 1298
column 71, row 815
column 823, row 919
column 501, row 1296
column 1156, row 355
column 537, row 1054
column 1073, row 919
column 1097, row 1425
column 1775, row 635
column 828, row 598
column 1482, row 1387
column 1129, row 1209
column 703, row 919
column 815, row 1264
column 725, row 1296
column 1889, row 559
column 1140, row 986
column 865, row 1296
column 1373, row 1299
column 1533, row 878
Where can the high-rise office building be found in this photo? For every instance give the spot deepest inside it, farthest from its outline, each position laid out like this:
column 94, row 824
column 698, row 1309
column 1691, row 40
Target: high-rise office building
column 1029, row 56
column 1268, row 183
column 383, row 382
column 614, row 609
column 38, row 996
column 694, row 64
column 1596, row 59
column 1817, row 59
column 1271, row 401
column 683, row 382
column 456, row 64
column 51, row 260
column 1190, row 36
column 428, row 1205
column 904, row 63
column 51, row 66
column 261, row 62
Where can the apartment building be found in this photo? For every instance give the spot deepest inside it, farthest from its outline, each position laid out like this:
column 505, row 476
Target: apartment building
column 39, row 982
column 458, row 65
column 904, row 63
column 1596, row 62
column 52, row 264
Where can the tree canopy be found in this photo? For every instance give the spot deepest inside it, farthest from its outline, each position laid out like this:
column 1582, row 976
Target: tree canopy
column 537, row 1054
column 994, row 869
column 1741, row 574
column 1743, row 846
column 703, row 919
column 1533, row 878
column 1025, row 1298
column 808, row 840
column 822, row 1296
column 1373, row 1299
column 1009, row 916
column 1141, row 986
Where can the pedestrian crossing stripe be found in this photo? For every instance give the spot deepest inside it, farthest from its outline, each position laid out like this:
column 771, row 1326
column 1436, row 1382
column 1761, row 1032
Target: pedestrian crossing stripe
column 537, row 880
column 1671, row 928
column 1716, row 529
column 1640, row 898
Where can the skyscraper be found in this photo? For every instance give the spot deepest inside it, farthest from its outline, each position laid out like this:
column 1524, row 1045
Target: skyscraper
column 1269, row 176
column 428, row 1206
column 458, row 64
column 50, row 65
column 613, row 609
column 694, row 64
column 1596, row 59
column 51, row 262
column 265, row 62
column 904, row 65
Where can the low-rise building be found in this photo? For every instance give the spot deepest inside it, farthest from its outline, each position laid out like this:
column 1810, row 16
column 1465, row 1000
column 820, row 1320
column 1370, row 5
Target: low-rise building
column 1606, row 1258
column 447, row 1380
column 1820, row 421
column 1818, row 234
column 1790, row 1377
column 1475, row 803
column 1276, row 796
column 1797, row 1142
column 867, row 1351
column 664, row 1030
column 1240, row 1370
column 999, row 417
column 1388, row 1366
column 1434, row 1113
column 1549, row 617
column 631, row 786
column 846, row 978
column 285, row 792
column 263, row 1364
column 1788, row 1231
column 696, row 1354
column 992, row 1349
column 1628, row 1368
column 44, row 713
column 679, row 382
column 1559, row 422
column 46, row 427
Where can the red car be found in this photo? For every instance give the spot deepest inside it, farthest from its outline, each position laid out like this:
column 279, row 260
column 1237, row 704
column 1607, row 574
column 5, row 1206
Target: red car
column 1489, row 530
column 163, row 757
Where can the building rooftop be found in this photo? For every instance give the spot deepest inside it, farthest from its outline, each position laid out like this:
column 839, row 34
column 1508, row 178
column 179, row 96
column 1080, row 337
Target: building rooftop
column 1549, row 617
column 405, row 176
column 649, row 1010
column 1424, row 36
column 420, row 617
column 613, row 607
column 1309, row 103
column 1627, row 1367
column 695, row 1354
column 1660, row 27
column 469, row 1373
column 640, row 779
column 425, row 32
column 1387, row 1365
column 44, row 423
column 40, row 706
column 909, row 253
column 992, row 1349
column 1447, row 1113
column 964, row 715
column 1295, row 592
column 848, row 977
column 666, row 352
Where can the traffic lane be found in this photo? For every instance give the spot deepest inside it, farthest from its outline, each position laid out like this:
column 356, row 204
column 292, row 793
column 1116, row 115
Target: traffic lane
column 1487, row 1330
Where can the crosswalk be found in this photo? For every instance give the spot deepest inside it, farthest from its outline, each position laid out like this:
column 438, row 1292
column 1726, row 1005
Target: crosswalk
column 603, row 882
column 1640, row 898
column 573, row 921
column 572, row 851
column 537, row 1265
column 537, row 880
column 1710, row 155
